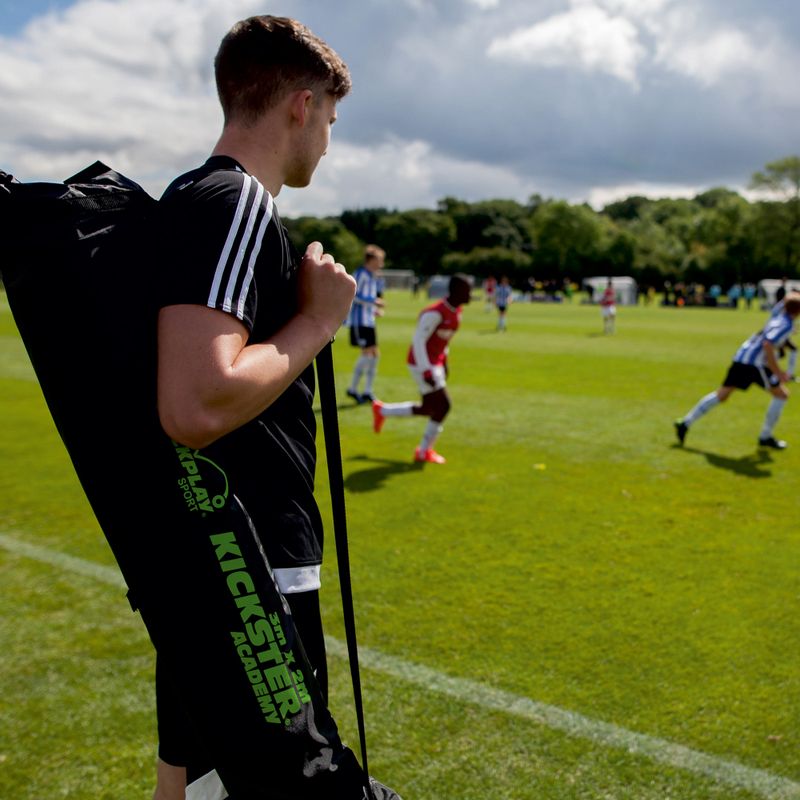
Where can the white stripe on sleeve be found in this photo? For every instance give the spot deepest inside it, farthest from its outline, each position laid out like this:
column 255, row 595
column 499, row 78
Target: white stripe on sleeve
column 243, row 245
column 226, row 250
column 251, row 264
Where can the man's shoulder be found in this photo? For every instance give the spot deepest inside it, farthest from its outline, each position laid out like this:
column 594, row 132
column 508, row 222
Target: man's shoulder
column 779, row 325
column 217, row 177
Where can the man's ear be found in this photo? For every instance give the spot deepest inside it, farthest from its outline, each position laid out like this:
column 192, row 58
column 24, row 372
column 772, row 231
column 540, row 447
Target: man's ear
column 300, row 104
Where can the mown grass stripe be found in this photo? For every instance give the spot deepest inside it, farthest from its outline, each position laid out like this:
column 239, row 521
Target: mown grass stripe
column 606, row 734
column 731, row 773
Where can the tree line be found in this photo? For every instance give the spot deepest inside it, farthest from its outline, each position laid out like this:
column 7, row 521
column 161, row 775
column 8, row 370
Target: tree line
column 718, row 236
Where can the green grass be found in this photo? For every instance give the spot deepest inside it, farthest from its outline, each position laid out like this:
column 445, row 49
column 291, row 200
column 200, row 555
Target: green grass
column 569, row 552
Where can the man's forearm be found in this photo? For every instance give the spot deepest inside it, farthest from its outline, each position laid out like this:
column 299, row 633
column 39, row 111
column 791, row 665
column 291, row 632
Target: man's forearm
column 215, row 388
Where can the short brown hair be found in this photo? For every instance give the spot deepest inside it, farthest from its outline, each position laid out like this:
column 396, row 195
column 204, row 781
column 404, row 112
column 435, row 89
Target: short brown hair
column 791, row 304
column 373, row 251
column 262, row 58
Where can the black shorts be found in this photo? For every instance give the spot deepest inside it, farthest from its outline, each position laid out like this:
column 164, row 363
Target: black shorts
column 742, row 376
column 362, row 336
column 177, row 744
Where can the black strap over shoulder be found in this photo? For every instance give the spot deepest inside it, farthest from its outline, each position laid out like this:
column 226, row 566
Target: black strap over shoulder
column 330, row 421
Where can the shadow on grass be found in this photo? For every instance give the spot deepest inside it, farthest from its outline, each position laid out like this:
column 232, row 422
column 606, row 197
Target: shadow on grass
column 751, row 466
column 376, row 475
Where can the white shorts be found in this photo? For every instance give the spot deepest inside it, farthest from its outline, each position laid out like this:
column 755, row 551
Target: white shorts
column 608, row 311
column 423, row 385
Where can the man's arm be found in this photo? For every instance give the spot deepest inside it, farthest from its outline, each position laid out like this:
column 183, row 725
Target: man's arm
column 771, row 357
column 211, row 381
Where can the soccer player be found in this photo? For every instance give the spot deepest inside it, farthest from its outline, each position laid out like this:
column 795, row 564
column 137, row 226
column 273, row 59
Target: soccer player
column 608, row 307
column 489, row 288
column 241, row 700
column 755, row 362
column 427, row 361
column 367, row 305
column 503, row 296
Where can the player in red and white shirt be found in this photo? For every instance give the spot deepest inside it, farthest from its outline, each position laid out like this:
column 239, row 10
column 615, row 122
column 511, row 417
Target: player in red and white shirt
column 608, row 307
column 489, row 287
column 427, row 361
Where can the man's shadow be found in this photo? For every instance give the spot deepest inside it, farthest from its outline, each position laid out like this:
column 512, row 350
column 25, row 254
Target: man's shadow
column 374, row 477
column 751, row 466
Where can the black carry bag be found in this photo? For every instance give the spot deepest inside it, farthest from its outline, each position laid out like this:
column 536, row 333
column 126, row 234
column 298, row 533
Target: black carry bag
column 76, row 265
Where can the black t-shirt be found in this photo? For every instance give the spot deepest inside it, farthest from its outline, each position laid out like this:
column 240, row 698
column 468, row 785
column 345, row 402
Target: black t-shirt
column 223, row 245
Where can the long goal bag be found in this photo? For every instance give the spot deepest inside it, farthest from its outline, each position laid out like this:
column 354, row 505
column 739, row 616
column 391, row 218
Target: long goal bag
column 75, row 263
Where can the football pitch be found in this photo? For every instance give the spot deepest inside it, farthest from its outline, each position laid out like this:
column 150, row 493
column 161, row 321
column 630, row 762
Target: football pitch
column 572, row 607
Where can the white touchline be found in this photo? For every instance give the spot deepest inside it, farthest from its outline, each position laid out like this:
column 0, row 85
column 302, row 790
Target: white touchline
column 766, row 784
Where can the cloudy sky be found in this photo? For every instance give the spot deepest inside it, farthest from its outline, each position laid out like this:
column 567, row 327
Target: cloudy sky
column 586, row 100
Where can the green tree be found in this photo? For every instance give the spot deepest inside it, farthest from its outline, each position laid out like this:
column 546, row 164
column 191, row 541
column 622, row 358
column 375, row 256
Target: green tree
column 723, row 229
column 490, row 223
column 782, row 217
column 416, row 239
column 484, row 261
column 627, row 209
column 346, row 248
column 567, row 240
column 362, row 222
column 656, row 251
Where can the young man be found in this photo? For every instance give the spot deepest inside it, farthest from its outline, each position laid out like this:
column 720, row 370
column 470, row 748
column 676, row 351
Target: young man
column 755, row 362
column 503, row 297
column 608, row 307
column 367, row 305
column 241, row 699
column 427, row 360
column 489, row 288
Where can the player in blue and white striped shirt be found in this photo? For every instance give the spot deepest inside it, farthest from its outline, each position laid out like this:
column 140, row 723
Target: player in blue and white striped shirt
column 756, row 361
column 502, row 299
column 367, row 305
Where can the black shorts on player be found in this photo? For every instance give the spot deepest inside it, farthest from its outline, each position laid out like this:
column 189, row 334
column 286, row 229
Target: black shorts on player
column 742, row 376
column 362, row 336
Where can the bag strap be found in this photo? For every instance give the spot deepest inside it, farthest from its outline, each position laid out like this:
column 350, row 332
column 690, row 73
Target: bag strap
column 330, row 422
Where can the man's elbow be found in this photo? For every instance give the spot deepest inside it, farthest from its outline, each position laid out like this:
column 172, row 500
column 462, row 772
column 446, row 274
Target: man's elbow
column 195, row 428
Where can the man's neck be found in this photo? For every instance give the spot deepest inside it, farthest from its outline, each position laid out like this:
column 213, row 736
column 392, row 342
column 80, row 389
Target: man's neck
column 246, row 145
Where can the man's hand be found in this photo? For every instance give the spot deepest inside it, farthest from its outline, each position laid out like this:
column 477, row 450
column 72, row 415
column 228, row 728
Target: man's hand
column 325, row 290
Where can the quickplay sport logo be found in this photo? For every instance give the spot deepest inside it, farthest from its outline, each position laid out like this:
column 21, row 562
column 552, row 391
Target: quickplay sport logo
column 205, row 485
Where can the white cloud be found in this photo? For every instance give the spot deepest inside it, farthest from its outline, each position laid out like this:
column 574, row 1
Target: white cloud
column 709, row 60
column 127, row 82
column 484, row 4
column 587, row 36
column 411, row 173
column 636, row 9
column 130, row 81
column 600, row 196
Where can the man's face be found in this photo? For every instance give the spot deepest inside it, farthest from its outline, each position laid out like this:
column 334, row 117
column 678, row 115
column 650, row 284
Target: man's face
column 313, row 139
column 374, row 264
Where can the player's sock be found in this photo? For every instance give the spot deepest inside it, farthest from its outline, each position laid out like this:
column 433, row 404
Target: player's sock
column 703, row 407
column 369, row 375
column 791, row 363
column 358, row 371
column 773, row 415
column 397, row 409
column 432, row 431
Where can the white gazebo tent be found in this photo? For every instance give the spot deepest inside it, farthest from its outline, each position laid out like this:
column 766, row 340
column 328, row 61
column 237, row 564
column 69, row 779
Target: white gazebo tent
column 769, row 286
column 624, row 286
